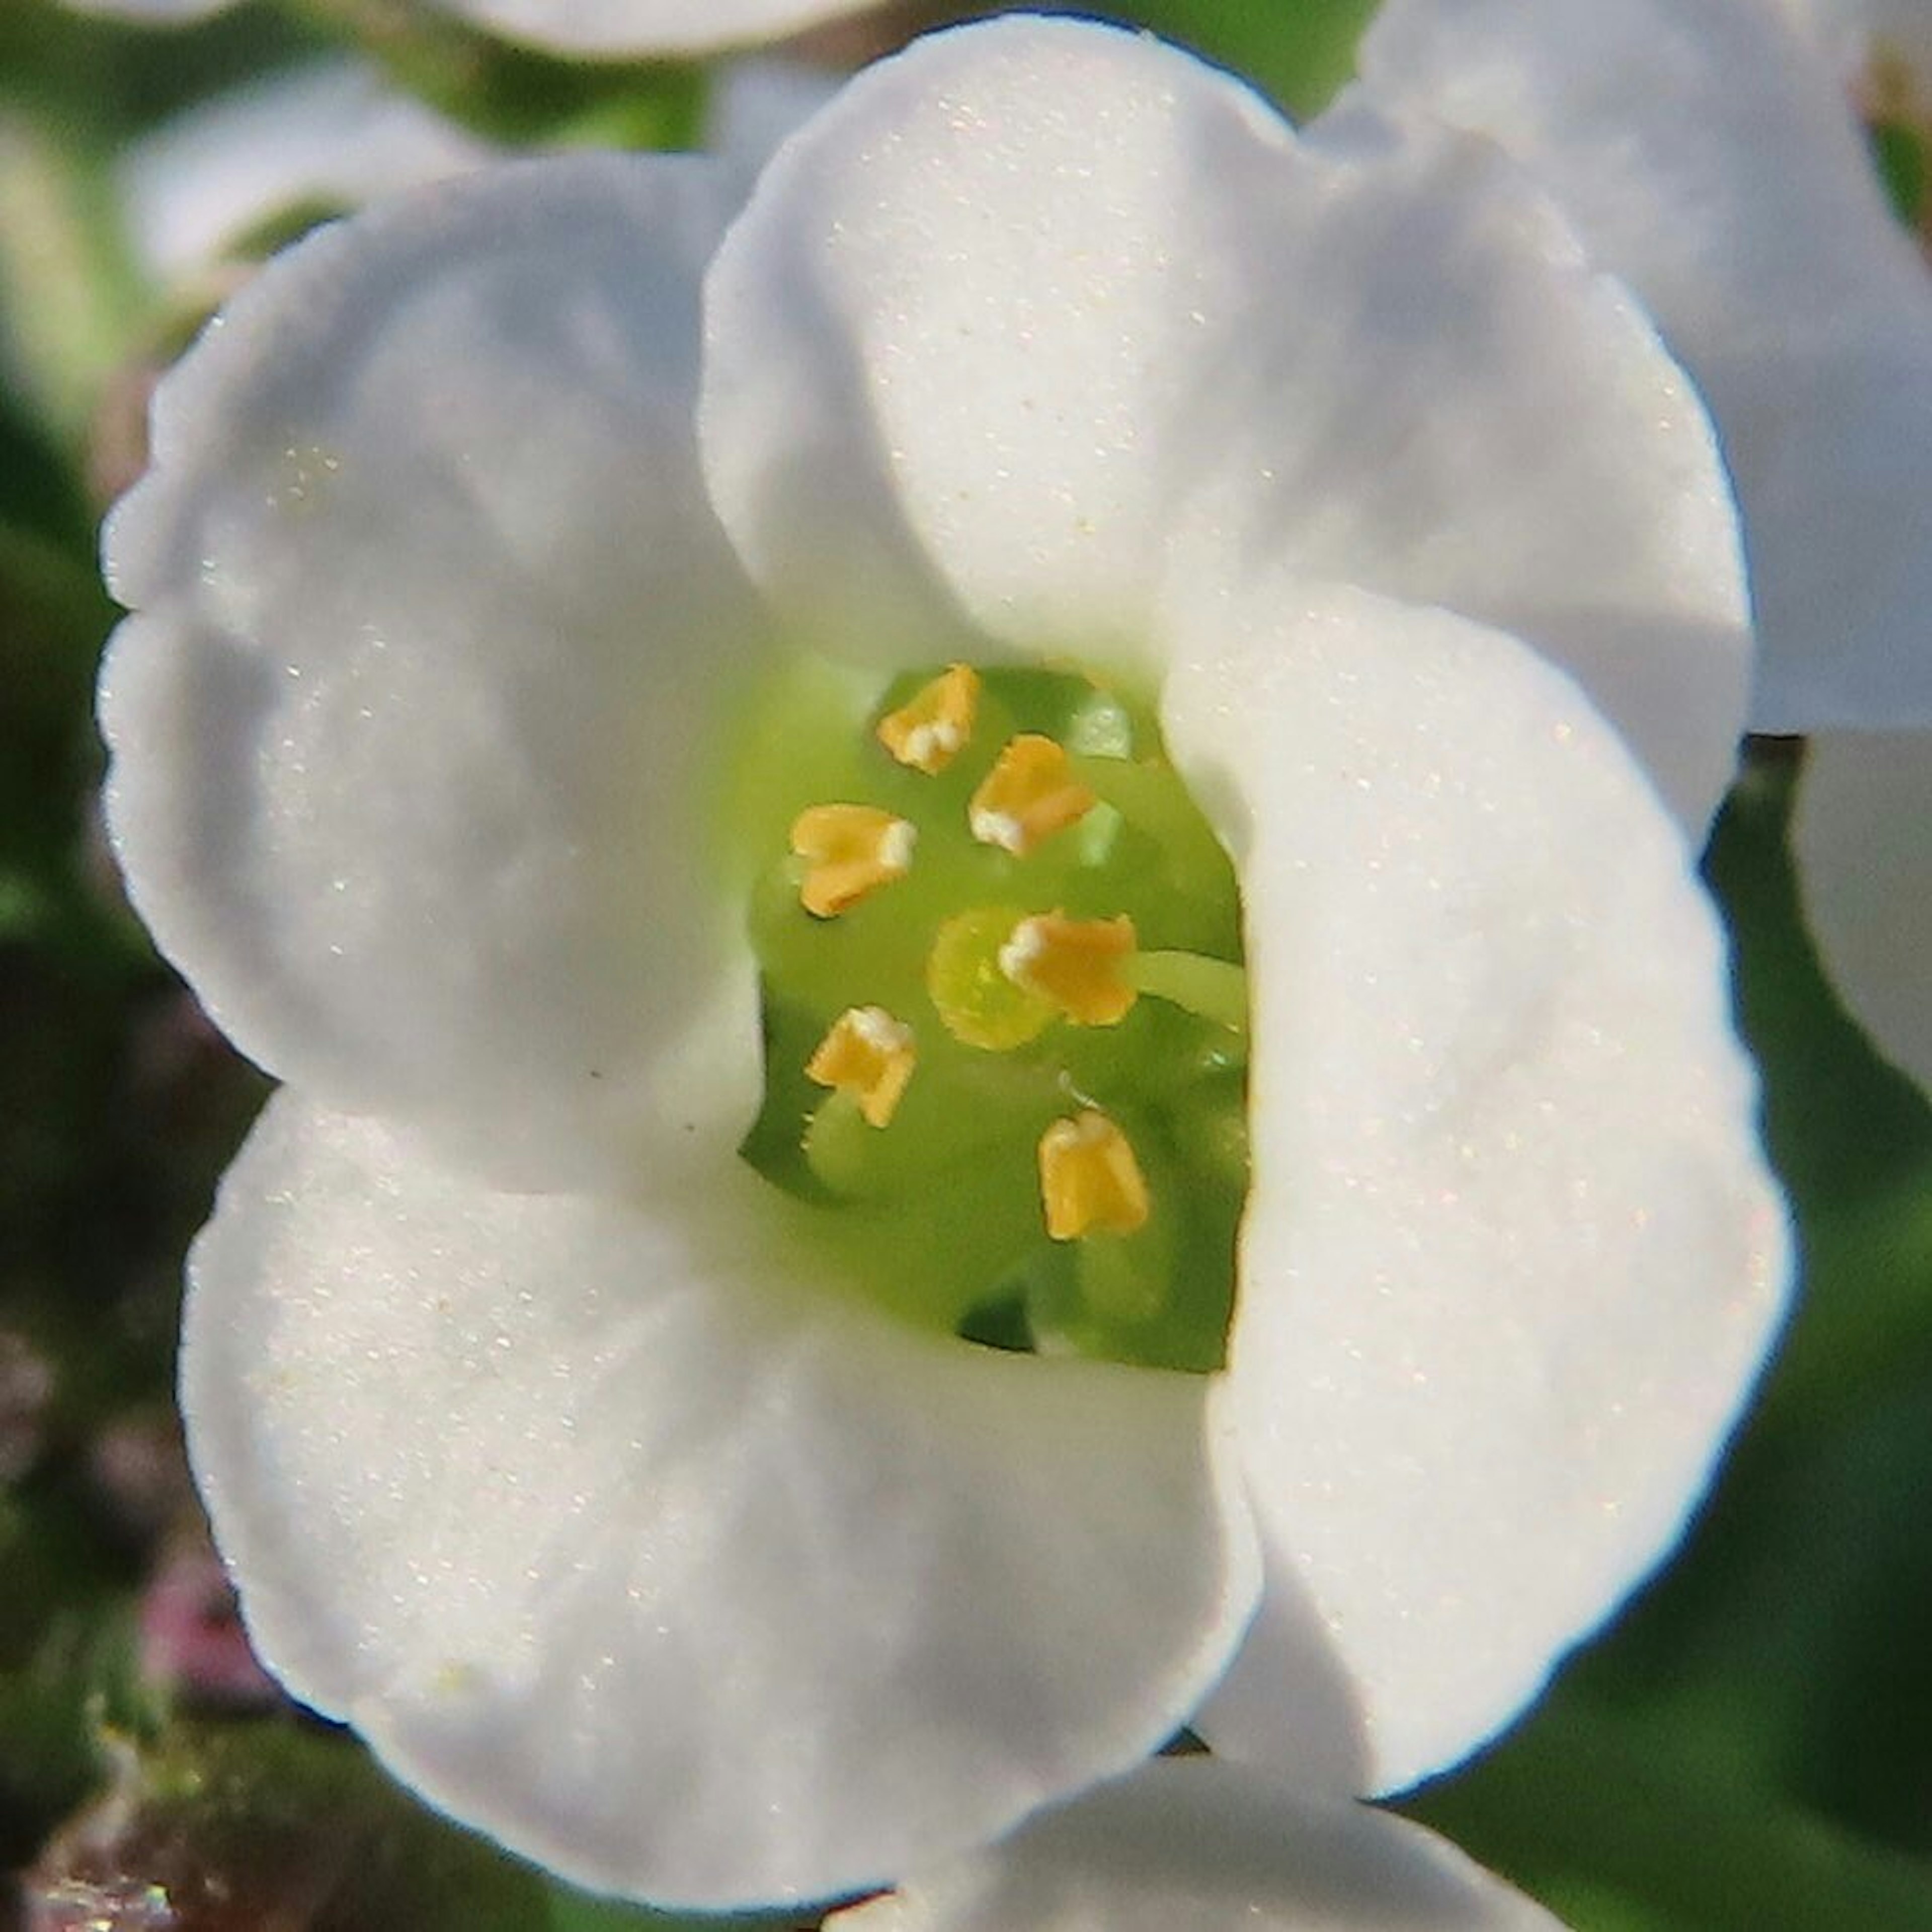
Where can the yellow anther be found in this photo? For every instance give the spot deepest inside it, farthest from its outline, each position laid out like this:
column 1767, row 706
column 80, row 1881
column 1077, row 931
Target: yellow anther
column 869, row 1055
column 1075, row 963
column 849, row 850
column 1029, row 795
column 929, row 730
column 1089, row 1179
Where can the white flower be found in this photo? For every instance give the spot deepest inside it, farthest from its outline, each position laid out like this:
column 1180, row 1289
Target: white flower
column 659, row 27
column 549, row 1443
column 1194, row 1845
column 591, row 27
column 161, row 13
column 333, row 132
column 1710, row 154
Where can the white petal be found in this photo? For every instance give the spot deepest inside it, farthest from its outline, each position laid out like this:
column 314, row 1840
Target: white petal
column 332, row 131
column 1040, row 313
column 1288, row 1699
column 1511, row 1258
column 1865, row 866
column 617, row 1540
column 1191, row 1845
column 647, row 26
column 1708, row 154
column 410, row 732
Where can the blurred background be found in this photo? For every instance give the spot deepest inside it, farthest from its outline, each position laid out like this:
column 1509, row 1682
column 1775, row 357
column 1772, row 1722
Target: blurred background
column 1750, row 1747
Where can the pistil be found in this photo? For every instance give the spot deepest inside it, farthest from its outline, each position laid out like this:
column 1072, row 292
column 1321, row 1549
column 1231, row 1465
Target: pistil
column 980, row 1003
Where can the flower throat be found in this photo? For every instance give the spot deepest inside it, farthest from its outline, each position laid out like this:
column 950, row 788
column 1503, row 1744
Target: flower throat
column 1005, row 1010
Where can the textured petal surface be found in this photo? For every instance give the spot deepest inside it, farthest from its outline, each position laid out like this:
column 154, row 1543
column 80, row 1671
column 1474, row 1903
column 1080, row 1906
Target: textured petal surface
column 682, row 1582
column 333, row 132
column 410, row 729
column 1040, row 313
column 1865, row 862
column 1708, row 155
column 646, row 26
column 1190, row 1845
column 1511, row 1258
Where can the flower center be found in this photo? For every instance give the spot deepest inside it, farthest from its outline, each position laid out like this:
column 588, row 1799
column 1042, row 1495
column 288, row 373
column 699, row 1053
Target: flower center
column 1005, row 1008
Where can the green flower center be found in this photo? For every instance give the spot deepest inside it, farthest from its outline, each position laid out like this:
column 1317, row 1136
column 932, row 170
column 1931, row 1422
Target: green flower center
column 1005, row 1008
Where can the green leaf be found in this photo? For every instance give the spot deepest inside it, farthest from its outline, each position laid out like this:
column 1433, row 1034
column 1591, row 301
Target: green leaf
column 277, row 1822
column 1850, row 1136
column 102, row 80
column 79, row 1675
column 1298, row 52
column 573, row 1911
column 519, row 95
column 1579, row 1805
column 71, row 298
column 1904, row 167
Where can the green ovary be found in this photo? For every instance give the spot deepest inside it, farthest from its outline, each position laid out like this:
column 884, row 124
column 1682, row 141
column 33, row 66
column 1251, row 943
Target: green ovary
column 1071, row 974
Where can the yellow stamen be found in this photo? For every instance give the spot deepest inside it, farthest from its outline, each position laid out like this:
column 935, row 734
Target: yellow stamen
column 1089, row 1179
column 869, row 1055
column 1075, row 963
column 849, row 850
column 1029, row 794
column 929, row 730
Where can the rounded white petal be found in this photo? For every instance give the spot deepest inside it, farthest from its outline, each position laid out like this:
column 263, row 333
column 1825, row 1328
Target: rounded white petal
column 1511, row 1258
column 411, row 728
column 1708, row 154
column 683, row 1574
column 333, row 131
column 1193, row 1845
column 647, row 27
column 1041, row 313
column 1859, row 836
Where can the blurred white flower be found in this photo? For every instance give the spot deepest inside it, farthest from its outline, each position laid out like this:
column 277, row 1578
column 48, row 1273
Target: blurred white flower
column 335, row 134
column 648, row 26
column 1859, row 835
column 153, row 13
column 586, row 27
column 561, row 1452
column 332, row 134
column 1713, row 156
